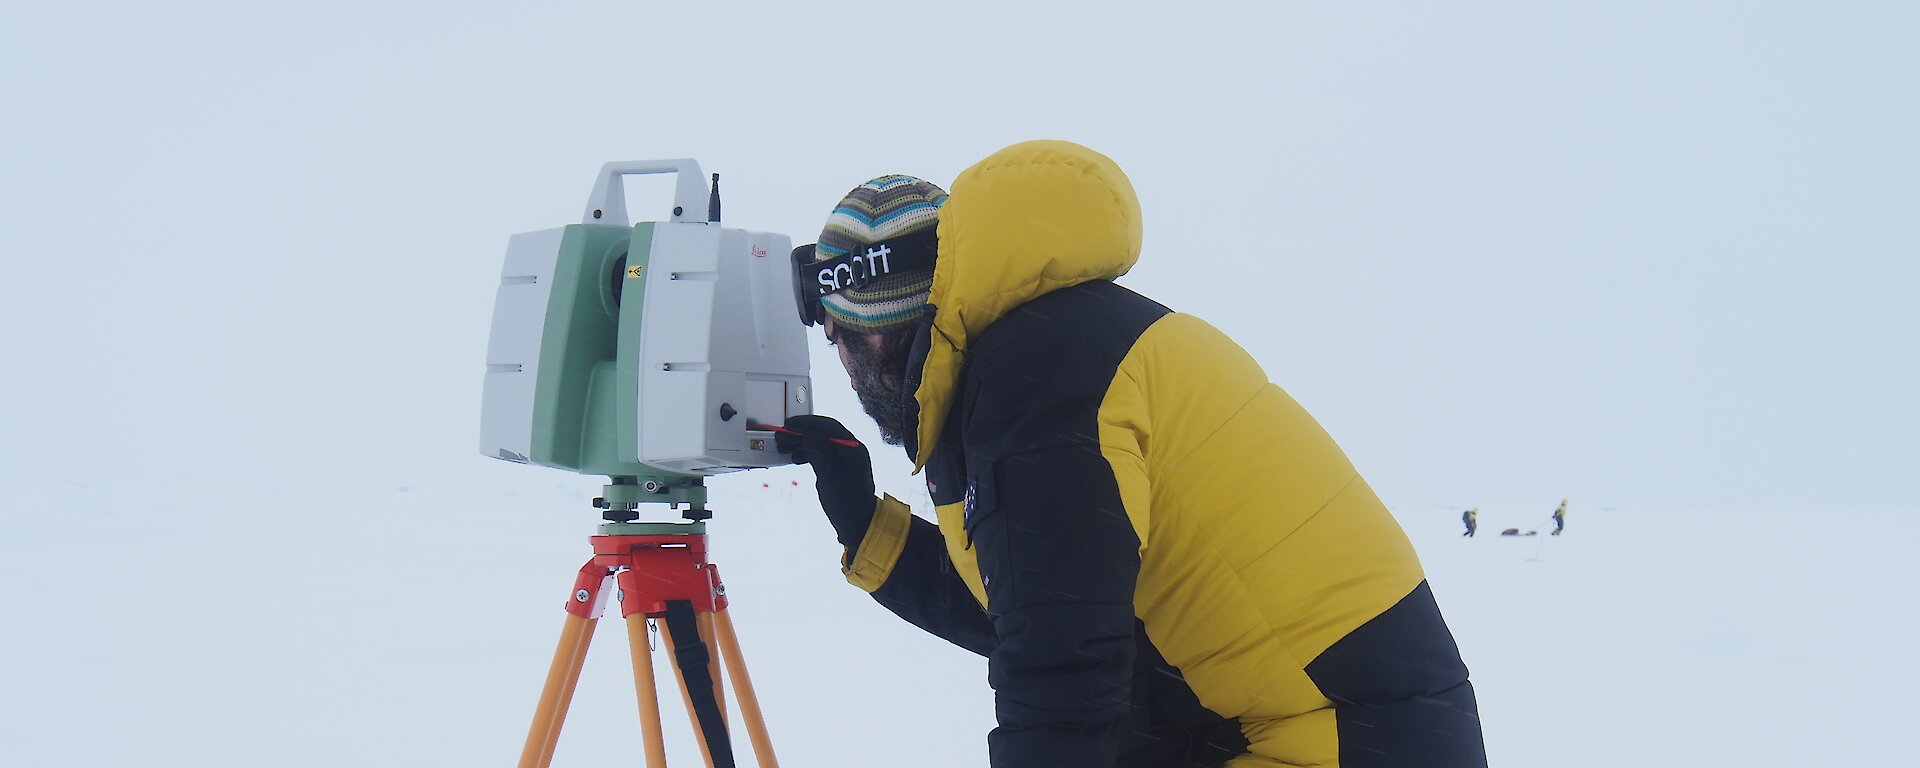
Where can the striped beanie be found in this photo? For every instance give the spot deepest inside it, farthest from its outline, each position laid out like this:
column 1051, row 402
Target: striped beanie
column 884, row 208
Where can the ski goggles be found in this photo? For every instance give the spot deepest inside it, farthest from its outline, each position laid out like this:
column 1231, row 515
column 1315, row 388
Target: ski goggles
column 858, row 268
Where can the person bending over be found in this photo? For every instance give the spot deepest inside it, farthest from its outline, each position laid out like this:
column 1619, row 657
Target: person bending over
column 1164, row 559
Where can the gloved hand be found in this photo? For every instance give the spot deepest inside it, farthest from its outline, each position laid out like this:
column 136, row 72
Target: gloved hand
column 842, row 472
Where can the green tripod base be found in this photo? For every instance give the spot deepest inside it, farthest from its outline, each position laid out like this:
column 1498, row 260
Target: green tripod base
column 620, row 501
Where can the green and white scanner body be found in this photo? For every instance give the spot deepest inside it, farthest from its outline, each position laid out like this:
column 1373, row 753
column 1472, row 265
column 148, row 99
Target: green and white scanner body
column 658, row 350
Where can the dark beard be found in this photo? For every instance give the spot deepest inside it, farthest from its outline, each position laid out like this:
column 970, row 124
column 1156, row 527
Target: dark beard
column 880, row 382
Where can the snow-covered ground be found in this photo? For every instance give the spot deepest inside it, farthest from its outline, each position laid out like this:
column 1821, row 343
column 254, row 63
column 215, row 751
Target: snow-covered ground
column 1651, row 635
column 335, row 625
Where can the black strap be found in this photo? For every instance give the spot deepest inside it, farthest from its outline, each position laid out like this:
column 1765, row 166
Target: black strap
column 866, row 263
column 694, row 659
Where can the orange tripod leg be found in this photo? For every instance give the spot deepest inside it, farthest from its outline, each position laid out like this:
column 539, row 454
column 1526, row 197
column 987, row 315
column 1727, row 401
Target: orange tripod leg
column 743, row 688
column 562, row 676
column 659, row 574
column 645, row 690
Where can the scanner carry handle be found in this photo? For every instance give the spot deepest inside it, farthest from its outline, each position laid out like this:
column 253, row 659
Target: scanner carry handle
column 608, row 203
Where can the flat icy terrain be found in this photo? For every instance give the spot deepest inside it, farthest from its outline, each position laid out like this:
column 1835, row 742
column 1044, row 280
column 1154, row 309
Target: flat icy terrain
column 412, row 626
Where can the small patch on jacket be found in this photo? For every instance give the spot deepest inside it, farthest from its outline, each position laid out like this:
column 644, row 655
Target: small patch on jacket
column 970, row 503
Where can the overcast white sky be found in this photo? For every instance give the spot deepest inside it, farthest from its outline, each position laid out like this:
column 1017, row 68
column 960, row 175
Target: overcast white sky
column 1506, row 251
column 1659, row 256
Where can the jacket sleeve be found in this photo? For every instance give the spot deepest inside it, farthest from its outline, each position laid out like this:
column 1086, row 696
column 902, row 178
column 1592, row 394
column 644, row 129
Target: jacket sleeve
column 903, row 563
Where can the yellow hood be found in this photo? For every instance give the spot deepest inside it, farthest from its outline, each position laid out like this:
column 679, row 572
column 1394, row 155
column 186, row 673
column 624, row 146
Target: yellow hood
column 1027, row 220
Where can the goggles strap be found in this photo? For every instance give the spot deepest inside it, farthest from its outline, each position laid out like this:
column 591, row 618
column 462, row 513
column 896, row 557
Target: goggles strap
column 858, row 268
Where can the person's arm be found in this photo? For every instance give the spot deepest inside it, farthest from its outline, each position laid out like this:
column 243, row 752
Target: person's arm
column 920, row 584
column 898, row 558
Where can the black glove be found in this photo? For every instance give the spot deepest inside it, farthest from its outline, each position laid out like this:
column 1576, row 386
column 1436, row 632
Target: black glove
column 842, row 472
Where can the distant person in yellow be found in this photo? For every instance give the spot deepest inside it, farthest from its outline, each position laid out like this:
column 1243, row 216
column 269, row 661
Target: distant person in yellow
column 1560, row 517
column 1472, row 518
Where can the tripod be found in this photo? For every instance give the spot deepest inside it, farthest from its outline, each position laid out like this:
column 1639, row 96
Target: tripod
column 662, row 575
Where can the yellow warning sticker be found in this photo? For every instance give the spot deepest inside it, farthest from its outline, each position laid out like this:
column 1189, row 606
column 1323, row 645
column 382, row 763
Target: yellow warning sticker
column 636, row 270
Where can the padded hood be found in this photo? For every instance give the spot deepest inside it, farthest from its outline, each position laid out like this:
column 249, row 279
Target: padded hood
column 1030, row 219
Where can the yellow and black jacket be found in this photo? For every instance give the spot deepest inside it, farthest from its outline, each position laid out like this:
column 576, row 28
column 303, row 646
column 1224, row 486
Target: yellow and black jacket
column 1165, row 560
